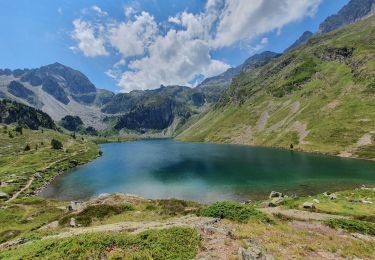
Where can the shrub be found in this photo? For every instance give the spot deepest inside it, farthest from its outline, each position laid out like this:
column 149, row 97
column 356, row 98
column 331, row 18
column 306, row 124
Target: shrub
column 172, row 243
column 27, row 148
column 19, row 129
column 234, row 211
column 172, row 207
column 353, row 225
column 8, row 234
column 86, row 216
column 102, row 211
column 56, row 144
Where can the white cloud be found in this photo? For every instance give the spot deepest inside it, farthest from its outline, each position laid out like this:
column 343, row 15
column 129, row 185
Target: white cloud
column 174, row 59
column 128, row 11
column 178, row 53
column 89, row 42
column 240, row 20
column 174, row 19
column 132, row 37
column 98, row 10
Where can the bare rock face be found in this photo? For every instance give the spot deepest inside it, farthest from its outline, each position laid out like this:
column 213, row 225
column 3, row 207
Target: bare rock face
column 355, row 10
column 336, row 54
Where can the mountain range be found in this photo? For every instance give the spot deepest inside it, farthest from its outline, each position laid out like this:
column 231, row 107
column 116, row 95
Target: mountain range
column 61, row 91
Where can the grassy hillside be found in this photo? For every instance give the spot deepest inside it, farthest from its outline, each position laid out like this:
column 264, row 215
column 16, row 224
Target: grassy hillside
column 128, row 227
column 318, row 97
column 27, row 158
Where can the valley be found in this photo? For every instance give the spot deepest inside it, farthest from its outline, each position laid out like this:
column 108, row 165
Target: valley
column 271, row 158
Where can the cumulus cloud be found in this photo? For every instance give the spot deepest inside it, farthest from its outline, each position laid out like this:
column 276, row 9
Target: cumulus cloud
column 132, row 37
column 152, row 55
column 89, row 40
column 240, row 20
column 174, row 59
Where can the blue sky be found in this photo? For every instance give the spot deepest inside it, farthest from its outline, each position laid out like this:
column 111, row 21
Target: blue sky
column 126, row 45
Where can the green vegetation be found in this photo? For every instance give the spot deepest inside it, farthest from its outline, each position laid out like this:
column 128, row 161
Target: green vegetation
column 13, row 112
column 56, row 144
column 234, row 211
column 22, row 216
column 315, row 97
column 99, row 212
column 24, row 155
column 350, row 225
column 173, row 243
column 343, row 205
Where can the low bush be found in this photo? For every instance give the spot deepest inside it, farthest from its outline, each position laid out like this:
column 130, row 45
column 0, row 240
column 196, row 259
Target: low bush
column 234, row 211
column 86, row 216
column 172, row 207
column 353, row 225
column 173, row 243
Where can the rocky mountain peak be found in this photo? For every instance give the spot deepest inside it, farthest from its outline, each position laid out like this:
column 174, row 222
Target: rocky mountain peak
column 355, row 10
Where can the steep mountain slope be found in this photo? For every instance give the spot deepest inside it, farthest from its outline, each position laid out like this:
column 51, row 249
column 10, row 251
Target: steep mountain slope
column 301, row 40
column 319, row 98
column 355, row 10
column 223, row 80
column 156, row 109
column 13, row 112
column 57, row 90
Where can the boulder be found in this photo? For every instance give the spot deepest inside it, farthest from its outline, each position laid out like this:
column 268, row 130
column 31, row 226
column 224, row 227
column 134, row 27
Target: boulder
column 75, row 205
column 3, row 195
column 37, row 175
column 316, row 201
column 275, row 202
column 72, row 222
column 308, row 205
column 275, row 194
column 332, row 196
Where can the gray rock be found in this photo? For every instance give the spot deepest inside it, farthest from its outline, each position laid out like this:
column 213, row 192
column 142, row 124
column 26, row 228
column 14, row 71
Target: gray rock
column 3, row 195
column 308, row 205
column 275, row 194
column 275, row 202
column 72, row 222
column 252, row 252
column 316, row 201
column 75, row 205
column 332, row 196
column 37, row 175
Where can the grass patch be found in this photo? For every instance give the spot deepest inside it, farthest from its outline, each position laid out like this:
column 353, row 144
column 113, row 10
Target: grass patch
column 99, row 212
column 174, row 207
column 174, row 243
column 234, row 211
column 350, row 225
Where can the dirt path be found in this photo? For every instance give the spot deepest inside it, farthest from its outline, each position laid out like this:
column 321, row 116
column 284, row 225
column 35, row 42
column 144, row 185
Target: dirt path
column 299, row 214
column 215, row 234
column 137, row 227
column 28, row 184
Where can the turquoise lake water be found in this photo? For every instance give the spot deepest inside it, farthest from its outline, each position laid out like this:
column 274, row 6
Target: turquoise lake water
column 207, row 172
